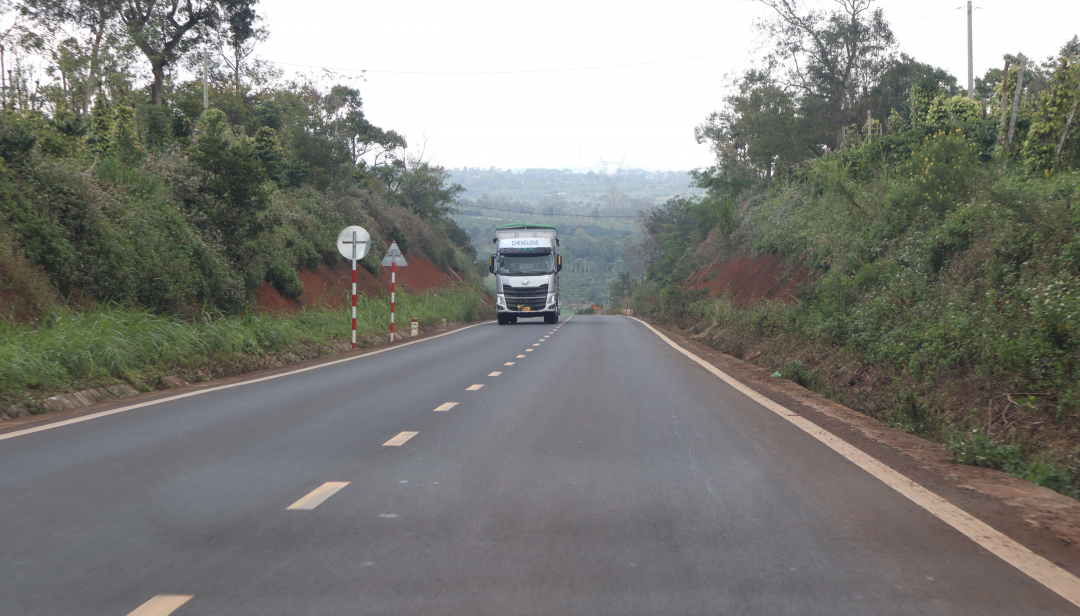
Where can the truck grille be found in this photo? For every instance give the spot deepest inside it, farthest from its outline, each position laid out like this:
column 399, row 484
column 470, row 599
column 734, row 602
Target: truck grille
column 533, row 297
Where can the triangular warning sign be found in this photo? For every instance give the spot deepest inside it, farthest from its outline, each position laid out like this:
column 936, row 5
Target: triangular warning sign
column 394, row 257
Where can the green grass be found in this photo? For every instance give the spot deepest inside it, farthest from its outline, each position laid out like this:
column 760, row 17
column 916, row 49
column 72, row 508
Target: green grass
column 72, row 349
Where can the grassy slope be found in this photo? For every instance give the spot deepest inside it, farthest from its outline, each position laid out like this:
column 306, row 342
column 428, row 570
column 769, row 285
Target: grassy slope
column 948, row 306
column 74, row 350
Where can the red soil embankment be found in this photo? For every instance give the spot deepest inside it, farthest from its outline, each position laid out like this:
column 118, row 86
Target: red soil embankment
column 331, row 287
column 747, row 280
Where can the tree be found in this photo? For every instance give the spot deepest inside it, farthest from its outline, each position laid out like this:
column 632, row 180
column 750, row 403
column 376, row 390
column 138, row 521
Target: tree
column 235, row 177
column 832, row 61
column 893, row 90
column 345, row 119
column 422, row 187
column 166, row 29
column 759, row 133
column 96, row 17
column 237, row 41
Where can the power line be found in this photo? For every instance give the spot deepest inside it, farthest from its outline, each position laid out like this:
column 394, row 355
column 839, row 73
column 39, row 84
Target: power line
column 930, row 15
column 499, row 209
column 1016, row 16
column 520, row 72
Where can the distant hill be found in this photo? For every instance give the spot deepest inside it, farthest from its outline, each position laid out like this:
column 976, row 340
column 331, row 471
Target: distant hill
column 554, row 191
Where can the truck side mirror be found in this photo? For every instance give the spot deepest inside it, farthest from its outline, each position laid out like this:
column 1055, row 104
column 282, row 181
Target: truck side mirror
column 558, row 259
column 491, row 264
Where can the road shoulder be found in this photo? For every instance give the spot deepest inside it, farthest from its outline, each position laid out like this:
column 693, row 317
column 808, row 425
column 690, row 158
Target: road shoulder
column 1042, row 520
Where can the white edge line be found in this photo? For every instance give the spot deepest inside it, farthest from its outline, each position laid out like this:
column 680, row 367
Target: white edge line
column 1038, row 568
column 132, row 407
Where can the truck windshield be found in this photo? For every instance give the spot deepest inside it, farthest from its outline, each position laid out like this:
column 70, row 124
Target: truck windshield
column 525, row 265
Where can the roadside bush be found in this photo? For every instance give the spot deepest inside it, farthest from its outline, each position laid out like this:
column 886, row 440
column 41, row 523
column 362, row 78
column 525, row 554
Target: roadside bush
column 978, row 449
column 798, row 372
column 944, row 169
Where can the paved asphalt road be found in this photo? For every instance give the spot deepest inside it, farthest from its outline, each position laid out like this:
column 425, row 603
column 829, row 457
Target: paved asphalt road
column 601, row 473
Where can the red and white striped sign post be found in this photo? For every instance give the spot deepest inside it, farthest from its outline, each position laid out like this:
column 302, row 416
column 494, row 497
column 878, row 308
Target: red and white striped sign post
column 353, row 244
column 392, row 259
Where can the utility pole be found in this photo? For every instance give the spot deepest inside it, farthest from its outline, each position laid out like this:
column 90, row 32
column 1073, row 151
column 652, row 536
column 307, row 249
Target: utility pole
column 971, row 59
column 205, row 82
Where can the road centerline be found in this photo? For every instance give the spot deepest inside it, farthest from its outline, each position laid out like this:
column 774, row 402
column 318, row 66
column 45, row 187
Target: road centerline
column 474, row 387
column 446, row 406
column 319, row 495
column 161, row 605
column 509, row 363
column 400, row 439
column 495, row 374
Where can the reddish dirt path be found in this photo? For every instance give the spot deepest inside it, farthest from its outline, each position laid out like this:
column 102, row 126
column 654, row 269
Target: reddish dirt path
column 747, row 280
column 330, row 287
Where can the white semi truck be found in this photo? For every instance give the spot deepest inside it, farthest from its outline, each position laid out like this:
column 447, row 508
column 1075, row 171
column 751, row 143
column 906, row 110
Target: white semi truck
column 526, row 269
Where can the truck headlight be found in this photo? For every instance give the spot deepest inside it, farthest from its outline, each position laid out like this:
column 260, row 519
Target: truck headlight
column 500, row 299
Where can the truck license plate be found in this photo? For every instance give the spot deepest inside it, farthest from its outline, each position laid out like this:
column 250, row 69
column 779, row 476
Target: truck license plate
column 526, row 309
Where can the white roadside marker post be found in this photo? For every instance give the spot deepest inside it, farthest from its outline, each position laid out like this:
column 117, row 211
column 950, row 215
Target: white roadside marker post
column 353, row 245
column 414, row 330
column 392, row 259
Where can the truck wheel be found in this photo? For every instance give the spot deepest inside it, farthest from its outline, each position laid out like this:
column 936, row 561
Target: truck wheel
column 513, row 320
column 551, row 318
column 502, row 320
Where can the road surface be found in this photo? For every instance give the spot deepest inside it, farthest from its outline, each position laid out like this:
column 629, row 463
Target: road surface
column 596, row 470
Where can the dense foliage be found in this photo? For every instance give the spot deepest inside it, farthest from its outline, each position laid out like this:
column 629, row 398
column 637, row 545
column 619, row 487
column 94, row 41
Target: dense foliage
column 941, row 241
column 124, row 189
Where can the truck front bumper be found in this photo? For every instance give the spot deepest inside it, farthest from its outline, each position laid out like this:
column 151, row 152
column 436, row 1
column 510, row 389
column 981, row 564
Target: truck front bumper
column 552, row 305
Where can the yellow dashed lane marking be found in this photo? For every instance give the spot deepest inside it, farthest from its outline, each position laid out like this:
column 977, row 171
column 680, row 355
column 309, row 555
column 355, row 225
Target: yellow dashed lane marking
column 318, row 495
column 495, row 374
column 509, row 363
column 161, row 605
column 520, row 356
column 474, row 387
column 536, row 344
column 446, row 406
column 400, row 439
column 529, row 350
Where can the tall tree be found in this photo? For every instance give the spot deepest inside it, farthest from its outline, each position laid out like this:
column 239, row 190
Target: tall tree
column 237, row 40
column 832, row 60
column 165, row 29
column 95, row 17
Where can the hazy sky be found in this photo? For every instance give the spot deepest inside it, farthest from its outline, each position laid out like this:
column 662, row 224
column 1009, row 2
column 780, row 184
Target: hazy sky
column 514, row 84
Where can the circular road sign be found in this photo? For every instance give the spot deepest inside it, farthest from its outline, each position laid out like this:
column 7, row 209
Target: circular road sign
column 345, row 242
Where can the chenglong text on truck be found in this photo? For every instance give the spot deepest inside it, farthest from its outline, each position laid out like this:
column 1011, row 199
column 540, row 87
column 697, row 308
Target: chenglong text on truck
column 526, row 269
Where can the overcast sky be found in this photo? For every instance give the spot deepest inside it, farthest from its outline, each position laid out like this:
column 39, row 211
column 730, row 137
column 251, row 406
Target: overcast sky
column 516, row 84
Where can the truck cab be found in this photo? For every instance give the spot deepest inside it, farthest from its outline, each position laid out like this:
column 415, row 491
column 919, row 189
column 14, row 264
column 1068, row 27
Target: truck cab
column 526, row 267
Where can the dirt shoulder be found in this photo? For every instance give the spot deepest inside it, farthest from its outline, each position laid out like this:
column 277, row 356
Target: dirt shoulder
column 1046, row 522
